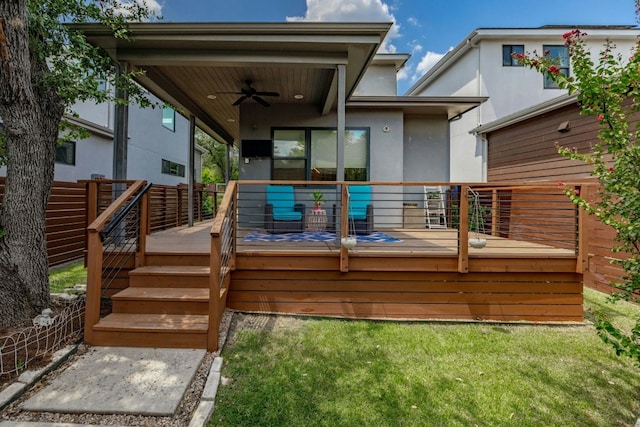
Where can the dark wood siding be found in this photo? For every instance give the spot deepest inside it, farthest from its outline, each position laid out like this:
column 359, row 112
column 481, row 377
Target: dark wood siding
column 526, row 151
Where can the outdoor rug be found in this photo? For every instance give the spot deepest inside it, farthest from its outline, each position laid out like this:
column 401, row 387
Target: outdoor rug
column 315, row 236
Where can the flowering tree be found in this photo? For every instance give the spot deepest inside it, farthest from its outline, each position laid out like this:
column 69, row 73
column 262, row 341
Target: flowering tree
column 609, row 89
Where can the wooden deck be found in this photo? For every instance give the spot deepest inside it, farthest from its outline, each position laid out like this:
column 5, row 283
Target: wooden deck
column 197, row 240
column 417, row 278
column 173, row 289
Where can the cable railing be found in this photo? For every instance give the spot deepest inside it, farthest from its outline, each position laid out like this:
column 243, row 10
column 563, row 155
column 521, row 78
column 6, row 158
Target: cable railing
column 116, row 241
column 222, row 259
column 121, row 239
column 409, row 219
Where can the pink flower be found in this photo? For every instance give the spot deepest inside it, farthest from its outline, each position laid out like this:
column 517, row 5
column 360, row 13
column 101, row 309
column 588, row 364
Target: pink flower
column 560, row 184
column 547, row 52
column 576, row 191
column 612, row 170
column 518, row 56
column 600, row 117
column 553, row 69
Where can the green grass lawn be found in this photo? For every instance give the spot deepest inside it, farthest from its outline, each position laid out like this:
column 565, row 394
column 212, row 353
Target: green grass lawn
column 66, row 277
column 319, row 372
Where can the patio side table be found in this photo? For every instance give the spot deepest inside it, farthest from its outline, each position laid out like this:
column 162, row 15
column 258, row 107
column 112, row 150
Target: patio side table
column 317, row 220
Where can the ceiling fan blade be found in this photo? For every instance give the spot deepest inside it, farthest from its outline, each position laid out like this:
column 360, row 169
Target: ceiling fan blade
column 261, row 101
column 239, row 100
column 267, row 94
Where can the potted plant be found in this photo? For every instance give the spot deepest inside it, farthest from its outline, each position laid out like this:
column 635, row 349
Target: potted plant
column 318, row 200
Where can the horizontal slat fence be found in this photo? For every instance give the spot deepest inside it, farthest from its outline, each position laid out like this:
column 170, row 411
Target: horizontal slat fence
column 67, row 212
column 66, row 221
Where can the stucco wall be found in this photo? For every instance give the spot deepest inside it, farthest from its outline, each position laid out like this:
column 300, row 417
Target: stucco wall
column 386, row 135
column 378, row 80
column 150, row 142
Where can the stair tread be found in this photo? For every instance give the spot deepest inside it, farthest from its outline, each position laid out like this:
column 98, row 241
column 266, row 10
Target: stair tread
column 181, row 270
column 165, row 294
column 187, row 323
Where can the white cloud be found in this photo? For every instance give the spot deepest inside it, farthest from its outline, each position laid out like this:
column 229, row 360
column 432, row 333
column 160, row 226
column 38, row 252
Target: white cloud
column 415, row 47
column 352, row 11
column 413, row 21
column 127, row 7
column 404, row 72
column 428, row 60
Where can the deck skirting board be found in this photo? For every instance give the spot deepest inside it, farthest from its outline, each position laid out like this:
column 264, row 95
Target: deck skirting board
column 505, row 296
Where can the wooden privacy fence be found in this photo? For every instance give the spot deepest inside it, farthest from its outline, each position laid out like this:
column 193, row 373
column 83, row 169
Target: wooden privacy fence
column 69, row 205
column 66, row 221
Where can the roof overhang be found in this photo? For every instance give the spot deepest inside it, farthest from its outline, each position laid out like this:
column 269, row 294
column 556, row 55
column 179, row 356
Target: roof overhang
column 451, row 106
column 185, row 62
column 528, row 113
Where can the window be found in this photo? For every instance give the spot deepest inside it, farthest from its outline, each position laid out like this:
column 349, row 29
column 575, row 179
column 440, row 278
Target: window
column 302, row 154
column 289, row 154
column 560, row 55
column 507, row 54
column 172, row 168
column 66, row 153
column 169, row 118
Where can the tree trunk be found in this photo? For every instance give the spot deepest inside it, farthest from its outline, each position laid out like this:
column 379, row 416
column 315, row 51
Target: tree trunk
column 31, row 113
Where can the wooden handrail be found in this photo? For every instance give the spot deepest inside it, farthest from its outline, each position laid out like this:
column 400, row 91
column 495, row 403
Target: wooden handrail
column 227, row 199
column 104, row 217
column 483, row 185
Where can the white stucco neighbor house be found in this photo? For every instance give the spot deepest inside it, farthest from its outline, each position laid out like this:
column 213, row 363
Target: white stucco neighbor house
column 482, row 65
column 157, row 145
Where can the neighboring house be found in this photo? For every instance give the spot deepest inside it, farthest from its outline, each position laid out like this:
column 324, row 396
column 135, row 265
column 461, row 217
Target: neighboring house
column 482, row 65
column 522, row 147
column 157, row 146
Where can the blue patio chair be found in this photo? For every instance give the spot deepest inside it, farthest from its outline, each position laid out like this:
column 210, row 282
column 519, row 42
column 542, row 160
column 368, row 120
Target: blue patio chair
column 360, row 210
column 281, row 213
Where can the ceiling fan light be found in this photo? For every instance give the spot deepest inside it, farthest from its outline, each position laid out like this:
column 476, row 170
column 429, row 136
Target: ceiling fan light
column 298, row 96
column 212, row 96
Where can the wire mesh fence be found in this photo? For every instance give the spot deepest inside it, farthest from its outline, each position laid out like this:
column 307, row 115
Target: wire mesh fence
column 19, row 350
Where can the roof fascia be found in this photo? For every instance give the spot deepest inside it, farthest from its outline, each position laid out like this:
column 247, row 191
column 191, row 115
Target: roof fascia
column 527, row 113
column 522, row 33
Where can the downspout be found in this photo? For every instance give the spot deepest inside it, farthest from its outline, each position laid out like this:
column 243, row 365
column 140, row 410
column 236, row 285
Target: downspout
column 483, row 141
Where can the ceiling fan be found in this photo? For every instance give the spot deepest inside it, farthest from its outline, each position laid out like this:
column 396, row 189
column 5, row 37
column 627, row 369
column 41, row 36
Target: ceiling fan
column 250, row 92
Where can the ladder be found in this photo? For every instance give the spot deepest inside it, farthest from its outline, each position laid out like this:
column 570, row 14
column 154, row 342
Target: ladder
column 435, row 211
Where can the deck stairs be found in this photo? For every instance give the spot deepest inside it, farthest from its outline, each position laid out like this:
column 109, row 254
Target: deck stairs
column 164, row 306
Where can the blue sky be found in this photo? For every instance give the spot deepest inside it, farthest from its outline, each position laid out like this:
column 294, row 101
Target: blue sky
column 425, row 28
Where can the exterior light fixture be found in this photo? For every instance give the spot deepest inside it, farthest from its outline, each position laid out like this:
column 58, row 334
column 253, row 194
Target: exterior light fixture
column 298, row 96
column 211, row 96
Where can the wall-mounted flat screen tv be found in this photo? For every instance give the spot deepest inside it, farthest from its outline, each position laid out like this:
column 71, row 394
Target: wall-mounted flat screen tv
column 256, row 148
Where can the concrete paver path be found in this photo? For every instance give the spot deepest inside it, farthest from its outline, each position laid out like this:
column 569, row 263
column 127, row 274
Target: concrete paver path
column 118, row 380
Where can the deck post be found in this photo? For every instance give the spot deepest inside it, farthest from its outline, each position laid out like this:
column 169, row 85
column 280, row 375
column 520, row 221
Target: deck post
column 582, row 247
column 143, row 231
column 94, row 284
column 92, row 211
column 344, row 229
column 463, row 232
column 214, row 292
column 494, row 212
column 234, row 234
